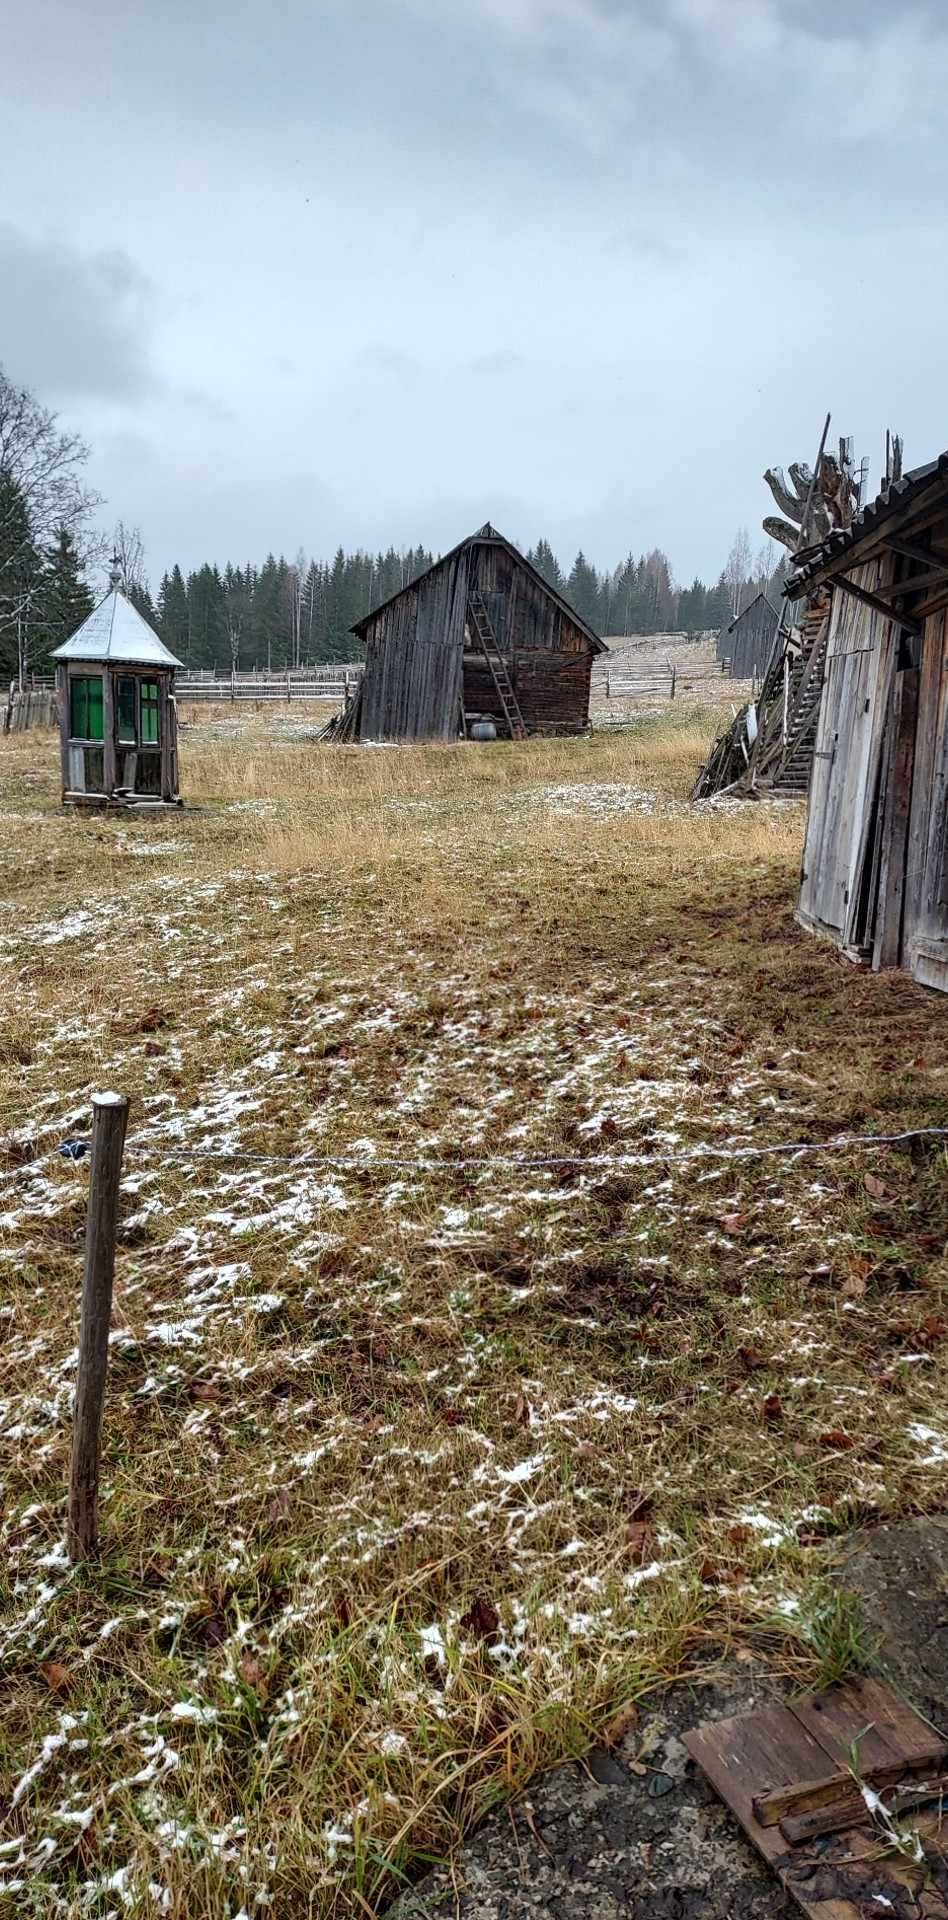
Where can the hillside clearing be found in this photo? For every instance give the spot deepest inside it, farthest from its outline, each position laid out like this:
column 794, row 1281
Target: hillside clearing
column 417, row 1472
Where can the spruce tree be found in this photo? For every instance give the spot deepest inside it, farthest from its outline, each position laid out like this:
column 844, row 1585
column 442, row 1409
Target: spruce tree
column 67, row 598
column 582, row 591
column 173, row 613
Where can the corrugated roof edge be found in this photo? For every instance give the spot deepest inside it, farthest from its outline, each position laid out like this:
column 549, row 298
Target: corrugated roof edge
column 484, row 534
column 891, row 501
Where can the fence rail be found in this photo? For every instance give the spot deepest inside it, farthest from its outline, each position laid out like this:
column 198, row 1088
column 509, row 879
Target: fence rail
column 673, row 681
column 299, row 683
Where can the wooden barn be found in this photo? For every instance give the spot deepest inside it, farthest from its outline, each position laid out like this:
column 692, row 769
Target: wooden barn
column 875, row 866
column 480, row 637
column 746, row 645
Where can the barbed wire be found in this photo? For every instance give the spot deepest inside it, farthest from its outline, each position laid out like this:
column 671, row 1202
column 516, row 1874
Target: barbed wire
column 73, row 1151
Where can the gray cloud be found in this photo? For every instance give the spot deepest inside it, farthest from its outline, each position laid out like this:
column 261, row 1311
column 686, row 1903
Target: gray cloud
column 75, row 324
column 663, row 225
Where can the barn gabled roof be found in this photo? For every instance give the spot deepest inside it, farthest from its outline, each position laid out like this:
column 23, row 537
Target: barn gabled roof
column 487, row 535
column 116, row 631
column 751, row 604
column 908, row 500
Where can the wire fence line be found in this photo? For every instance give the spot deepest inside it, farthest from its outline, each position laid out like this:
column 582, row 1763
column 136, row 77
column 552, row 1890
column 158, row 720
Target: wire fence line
column 141, row 1147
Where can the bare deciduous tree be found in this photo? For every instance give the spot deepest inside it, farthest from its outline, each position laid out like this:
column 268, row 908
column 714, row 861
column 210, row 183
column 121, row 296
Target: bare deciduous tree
column 41, row 468
column 737, row 568
column 129, row 552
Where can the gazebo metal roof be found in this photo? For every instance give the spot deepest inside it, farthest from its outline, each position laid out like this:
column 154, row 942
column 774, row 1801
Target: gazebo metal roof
column 115, row 631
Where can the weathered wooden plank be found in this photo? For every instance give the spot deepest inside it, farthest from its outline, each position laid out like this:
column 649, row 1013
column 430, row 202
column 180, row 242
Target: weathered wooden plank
column 109, row 775
column 738, row 1755
column 836, row 1816
column 896, row 812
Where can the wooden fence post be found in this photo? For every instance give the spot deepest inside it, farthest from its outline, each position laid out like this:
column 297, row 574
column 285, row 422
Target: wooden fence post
column 674, row 679
column 109, row 1120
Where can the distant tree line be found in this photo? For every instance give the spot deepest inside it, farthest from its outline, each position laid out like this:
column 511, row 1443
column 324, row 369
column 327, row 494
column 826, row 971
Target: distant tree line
column 284, row 613
column 299, row 612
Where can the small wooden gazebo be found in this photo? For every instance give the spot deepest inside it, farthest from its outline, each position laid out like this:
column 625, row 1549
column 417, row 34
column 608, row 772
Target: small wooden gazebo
column 117, row 718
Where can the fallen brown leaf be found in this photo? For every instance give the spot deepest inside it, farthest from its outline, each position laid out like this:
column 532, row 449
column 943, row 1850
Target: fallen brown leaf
column 483, row 1621
column 620, row 1724
column 57, row 1677
column 252, row 1674
column 876, row 1188
column 752, row 1360
column 640, row 1535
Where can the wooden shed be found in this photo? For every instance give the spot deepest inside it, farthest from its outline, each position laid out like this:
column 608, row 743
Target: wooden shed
column 117, row 717
column 875, row 866
column 480, row 634
column 748, row 642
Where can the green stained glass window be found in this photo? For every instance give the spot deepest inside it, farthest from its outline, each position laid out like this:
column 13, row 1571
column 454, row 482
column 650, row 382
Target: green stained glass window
column 85, row 707
column 126, row 711
column 149, row 712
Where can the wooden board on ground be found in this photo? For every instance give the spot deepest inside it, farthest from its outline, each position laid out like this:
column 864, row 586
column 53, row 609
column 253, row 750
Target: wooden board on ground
column 770, row 1767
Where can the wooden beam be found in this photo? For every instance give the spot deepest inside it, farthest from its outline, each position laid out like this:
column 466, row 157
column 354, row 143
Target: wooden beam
column 878, row 605
column 851, row 1809
column 928, row 607
column 782, row 1803
column 917, row 582
column 929, row 556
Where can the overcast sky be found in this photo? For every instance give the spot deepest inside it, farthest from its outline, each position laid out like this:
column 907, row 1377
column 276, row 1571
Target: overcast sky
column 375, row 271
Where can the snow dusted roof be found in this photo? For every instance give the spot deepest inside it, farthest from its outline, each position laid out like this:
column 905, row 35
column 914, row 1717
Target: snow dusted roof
column 114, row 631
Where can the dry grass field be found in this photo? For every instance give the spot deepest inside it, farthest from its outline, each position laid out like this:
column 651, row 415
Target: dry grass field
column 468, row 1377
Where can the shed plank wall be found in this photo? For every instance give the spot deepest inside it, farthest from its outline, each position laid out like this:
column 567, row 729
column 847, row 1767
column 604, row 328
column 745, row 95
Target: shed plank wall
column 876, row 857
column 749, row 646
column 412, row 681
column 843, row 778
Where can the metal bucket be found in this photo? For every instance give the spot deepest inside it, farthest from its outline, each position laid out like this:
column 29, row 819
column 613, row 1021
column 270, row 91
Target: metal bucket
column 483, row 728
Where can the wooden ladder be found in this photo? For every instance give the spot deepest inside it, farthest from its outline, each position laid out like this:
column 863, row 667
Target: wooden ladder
column 486, row 639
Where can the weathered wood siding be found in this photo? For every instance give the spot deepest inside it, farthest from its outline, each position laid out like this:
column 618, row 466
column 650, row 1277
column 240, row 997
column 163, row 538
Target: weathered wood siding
column 549, row 658
column 411, row 687
column 925, row 932
column 749, row 643
column 420, row 661
column 875, row 867
column 846, row 758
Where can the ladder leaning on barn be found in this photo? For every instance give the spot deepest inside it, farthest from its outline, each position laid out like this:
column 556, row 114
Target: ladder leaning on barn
column 483, row 632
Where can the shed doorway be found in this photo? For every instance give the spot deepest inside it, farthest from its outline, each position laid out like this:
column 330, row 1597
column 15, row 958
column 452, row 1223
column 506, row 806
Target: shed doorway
column 138, row 735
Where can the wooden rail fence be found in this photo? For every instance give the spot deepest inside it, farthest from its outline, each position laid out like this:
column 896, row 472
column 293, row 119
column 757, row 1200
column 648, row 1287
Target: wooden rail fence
column 298, row 683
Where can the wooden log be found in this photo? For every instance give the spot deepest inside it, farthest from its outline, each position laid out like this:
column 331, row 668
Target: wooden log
column 782, row 1803
column 110, row 1118
column 851, row 1810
